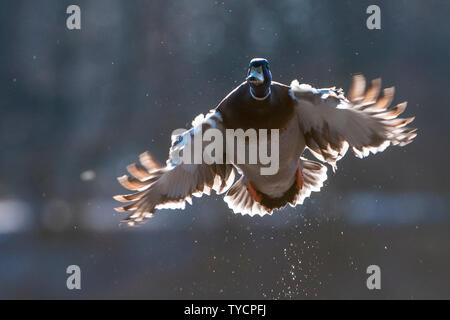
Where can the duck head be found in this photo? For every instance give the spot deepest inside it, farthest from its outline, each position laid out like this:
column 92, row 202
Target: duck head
column 259, row 78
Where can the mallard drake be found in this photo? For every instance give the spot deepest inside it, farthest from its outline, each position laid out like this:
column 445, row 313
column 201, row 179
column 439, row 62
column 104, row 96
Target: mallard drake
column 324, row 121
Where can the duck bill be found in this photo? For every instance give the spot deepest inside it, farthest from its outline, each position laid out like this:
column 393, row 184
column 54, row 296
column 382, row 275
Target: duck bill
column 255, row 77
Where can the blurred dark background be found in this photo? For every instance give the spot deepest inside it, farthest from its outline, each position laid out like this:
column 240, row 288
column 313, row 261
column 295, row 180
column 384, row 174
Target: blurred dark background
column 77, row 106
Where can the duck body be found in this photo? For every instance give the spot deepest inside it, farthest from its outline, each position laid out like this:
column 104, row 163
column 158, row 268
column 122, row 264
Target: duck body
column 241, row 111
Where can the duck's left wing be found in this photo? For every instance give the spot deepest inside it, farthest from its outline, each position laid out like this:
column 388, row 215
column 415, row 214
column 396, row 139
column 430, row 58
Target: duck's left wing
column 331, row 123
column 158, row 187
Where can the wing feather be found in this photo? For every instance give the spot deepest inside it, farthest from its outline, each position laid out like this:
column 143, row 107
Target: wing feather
column 171, row 186
column 364, row 122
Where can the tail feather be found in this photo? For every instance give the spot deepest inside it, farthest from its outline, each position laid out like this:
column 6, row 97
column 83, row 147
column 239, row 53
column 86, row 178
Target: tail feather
column 240, row 201
column 314, row 175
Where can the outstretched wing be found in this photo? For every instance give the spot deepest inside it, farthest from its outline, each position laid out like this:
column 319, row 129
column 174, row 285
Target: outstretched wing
column 332, row 123
column 171, row 186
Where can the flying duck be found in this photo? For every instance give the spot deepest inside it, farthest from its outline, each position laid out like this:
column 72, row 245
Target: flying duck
column 324, row 121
